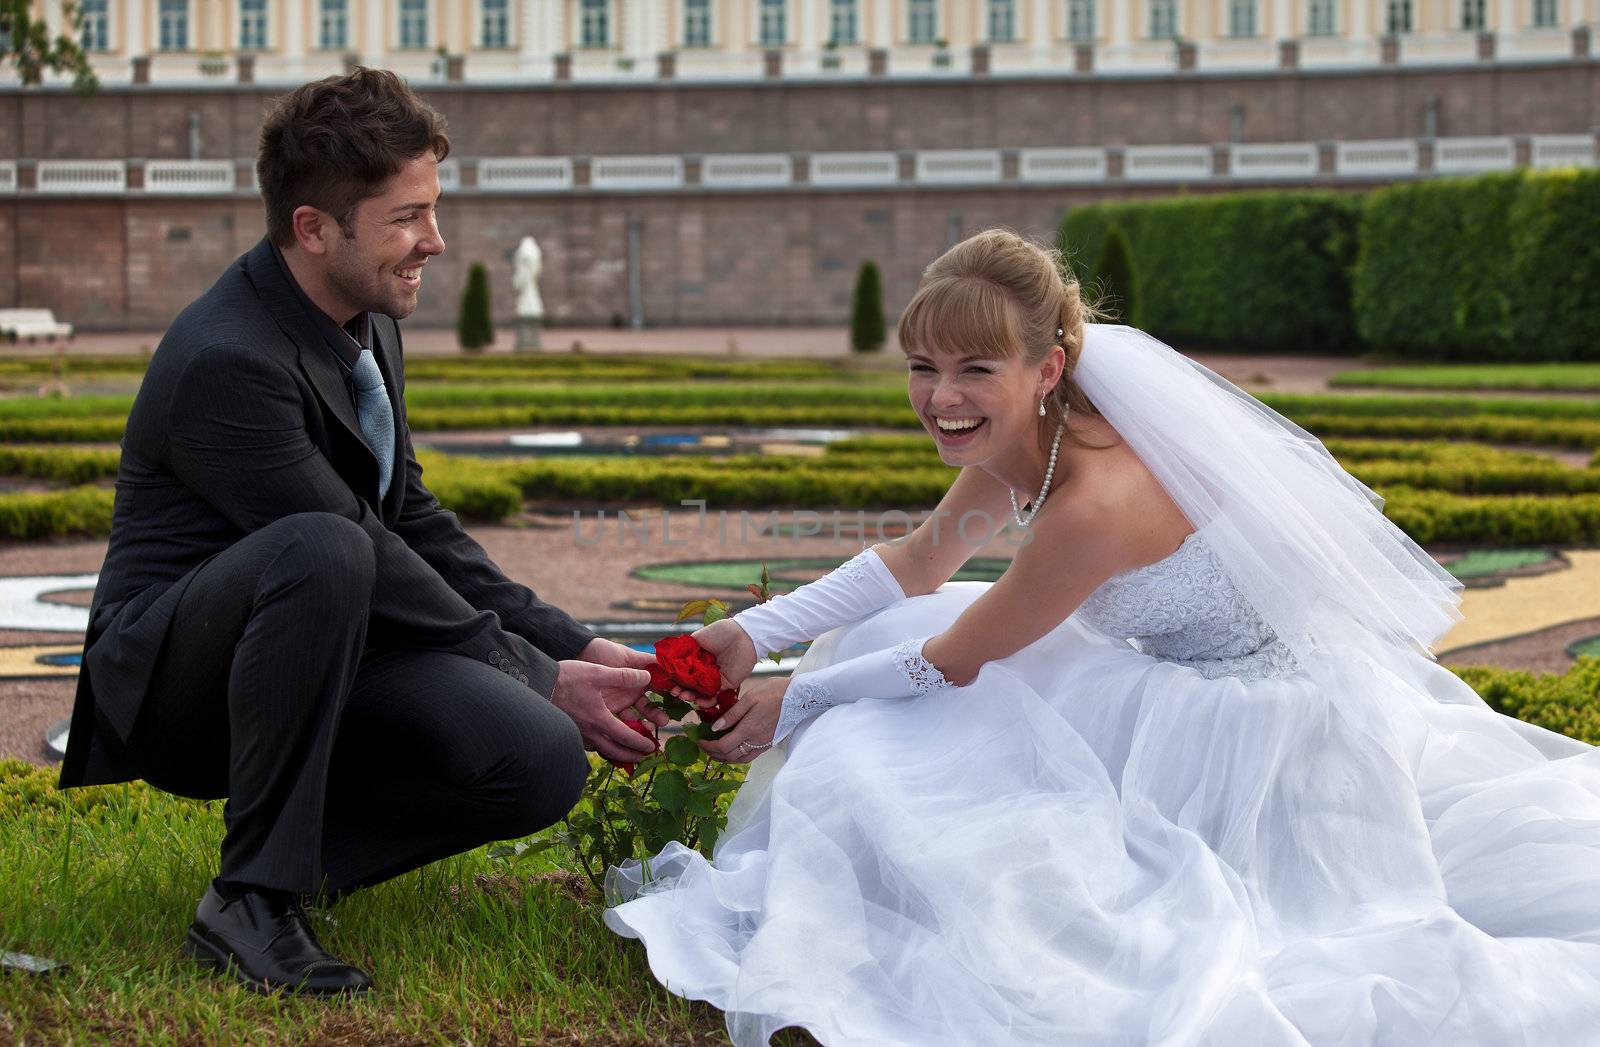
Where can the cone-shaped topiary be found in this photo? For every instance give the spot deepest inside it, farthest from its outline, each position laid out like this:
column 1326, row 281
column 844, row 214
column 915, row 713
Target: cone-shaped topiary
column 1114, row 280
column 474, row 328
column 866, row 311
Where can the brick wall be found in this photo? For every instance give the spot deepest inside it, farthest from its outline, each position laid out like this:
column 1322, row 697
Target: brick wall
column 786, row 257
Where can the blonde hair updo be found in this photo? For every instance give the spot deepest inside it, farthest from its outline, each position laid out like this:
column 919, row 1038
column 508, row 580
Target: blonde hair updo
column 998, row 295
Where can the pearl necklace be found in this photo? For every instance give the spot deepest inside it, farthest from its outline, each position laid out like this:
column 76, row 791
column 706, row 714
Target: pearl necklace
column 1049, row 473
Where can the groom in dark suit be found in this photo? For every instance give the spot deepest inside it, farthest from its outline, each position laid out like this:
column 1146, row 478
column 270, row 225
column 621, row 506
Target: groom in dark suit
column 286, row 617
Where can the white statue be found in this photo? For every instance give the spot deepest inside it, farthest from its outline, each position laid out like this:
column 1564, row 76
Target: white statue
column 525, row 279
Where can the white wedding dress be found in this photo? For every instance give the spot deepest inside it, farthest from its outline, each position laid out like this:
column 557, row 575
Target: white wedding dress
column 1166, row 821
column 1197, row 843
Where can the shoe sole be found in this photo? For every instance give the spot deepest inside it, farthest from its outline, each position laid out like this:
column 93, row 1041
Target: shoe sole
column 209, row 956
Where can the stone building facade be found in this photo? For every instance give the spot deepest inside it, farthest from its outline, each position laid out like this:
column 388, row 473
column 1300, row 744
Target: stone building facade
column 701, row 201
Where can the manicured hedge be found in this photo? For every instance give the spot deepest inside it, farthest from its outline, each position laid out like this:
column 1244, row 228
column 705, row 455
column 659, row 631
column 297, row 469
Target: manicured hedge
column 1568, row 377
column 1265, row 270
column 62, row 464
column 1568, row 703
column 1502, row 267
column 53, row 514
column 1439, row 516
column 573, row 367
column 1433, row 276
column 62, row 430
column 653, row 394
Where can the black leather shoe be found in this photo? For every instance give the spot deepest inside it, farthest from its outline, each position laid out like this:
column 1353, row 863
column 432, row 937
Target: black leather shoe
column 264, row 942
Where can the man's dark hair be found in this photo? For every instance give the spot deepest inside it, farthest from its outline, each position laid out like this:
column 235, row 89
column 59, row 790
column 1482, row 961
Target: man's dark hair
column 332, row 143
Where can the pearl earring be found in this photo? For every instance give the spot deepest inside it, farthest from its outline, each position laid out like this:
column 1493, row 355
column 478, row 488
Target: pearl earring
column 1041, row 407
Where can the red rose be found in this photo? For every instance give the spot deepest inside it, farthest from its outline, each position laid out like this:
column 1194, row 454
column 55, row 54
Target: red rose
column 637, row 727
column 681, row 661
column 727, row 698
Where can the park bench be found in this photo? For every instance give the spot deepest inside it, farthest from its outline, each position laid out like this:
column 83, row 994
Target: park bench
column 30, row 324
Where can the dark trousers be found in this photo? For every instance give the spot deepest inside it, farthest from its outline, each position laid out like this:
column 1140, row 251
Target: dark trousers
column 344, row 763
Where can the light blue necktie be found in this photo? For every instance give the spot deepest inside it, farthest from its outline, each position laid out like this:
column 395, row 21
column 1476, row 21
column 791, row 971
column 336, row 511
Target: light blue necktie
column 376, row 414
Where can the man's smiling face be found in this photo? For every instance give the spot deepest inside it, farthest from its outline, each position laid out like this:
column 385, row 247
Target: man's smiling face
column 379, row 268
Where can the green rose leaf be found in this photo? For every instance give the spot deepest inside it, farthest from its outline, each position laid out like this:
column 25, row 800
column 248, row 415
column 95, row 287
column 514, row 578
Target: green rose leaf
column 682, row 751
column 672, row 791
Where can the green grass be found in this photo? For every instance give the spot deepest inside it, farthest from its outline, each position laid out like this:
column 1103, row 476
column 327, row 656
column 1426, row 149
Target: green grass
column 1550, row 377
column 1481, row 562
column 468, row 949
column 106, row 879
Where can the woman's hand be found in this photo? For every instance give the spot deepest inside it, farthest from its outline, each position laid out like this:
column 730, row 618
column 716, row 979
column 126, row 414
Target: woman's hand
column 730, row 645
column 749, row 723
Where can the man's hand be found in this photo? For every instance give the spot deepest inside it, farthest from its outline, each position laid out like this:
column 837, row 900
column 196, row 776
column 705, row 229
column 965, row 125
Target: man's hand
column 601, row 651
column 593, row 695
column 730, row 644
column 751, row 722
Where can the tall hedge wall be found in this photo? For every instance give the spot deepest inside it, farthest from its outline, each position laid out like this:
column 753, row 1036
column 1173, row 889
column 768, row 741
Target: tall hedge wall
column 1498, row 267
column 1247, row 270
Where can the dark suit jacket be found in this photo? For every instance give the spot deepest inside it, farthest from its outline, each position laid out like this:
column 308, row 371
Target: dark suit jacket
column 244, row 417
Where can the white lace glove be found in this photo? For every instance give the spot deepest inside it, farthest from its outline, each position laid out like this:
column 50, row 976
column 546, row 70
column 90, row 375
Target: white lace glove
column 894, row 672
column 851, row 591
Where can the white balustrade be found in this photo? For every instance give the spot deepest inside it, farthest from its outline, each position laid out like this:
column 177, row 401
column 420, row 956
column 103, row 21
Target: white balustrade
column 1166, row 163
column 1375, row 159
column 449, row 174
column 958, row 166
column 635, row 172
column 8, row 176
column 188, row 177
column 1273, row 160
column 81, row 176
column 854, row 169
column 1061, row 165
column 1563, row 151
column 525, row 174
column 1473, row 155
column 746, row 170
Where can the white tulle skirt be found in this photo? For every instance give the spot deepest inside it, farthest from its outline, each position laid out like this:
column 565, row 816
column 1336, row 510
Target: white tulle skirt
column 1088, row 846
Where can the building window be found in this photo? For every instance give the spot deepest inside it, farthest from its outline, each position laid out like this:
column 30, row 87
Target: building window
column 594, row 27
column 413, row 25
column 252, row 25
column 333, row 25
column 1080, row 21
column 1399, row 17
column 1320, row 18
column 842, row 21
column 1545, row 15
column 96, row 25
column 1163, row 19
column 174, row 15
column 496, row 28
column 1241, row 17
column 923, row 19
column 1472, row 14
column 697, row 23
column 1002, row 21
column 774, row 23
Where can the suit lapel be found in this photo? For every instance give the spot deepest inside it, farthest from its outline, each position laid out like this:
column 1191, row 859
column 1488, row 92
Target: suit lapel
column 316, row 358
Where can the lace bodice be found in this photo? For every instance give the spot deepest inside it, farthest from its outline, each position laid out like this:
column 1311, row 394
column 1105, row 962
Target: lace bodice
column 1185, row 609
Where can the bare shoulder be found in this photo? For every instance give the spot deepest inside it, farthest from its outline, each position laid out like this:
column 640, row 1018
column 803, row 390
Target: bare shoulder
column 1112, row 511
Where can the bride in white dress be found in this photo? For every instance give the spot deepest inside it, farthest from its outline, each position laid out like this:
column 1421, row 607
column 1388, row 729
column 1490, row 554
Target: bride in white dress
column 1185, row 774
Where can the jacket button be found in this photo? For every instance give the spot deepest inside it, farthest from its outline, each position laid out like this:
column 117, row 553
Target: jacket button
column 494, row 658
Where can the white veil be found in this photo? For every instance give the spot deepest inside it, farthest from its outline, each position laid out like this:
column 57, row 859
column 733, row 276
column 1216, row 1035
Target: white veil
column 1306, row 542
